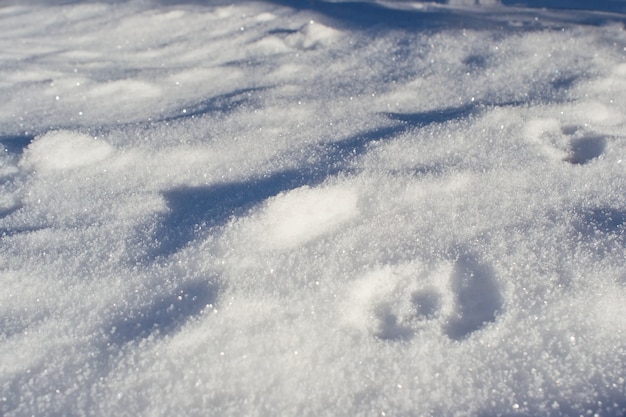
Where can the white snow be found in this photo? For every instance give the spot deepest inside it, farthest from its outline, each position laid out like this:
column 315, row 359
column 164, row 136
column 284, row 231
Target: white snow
column 372, row 208
column 61, row 150
column 304, row 214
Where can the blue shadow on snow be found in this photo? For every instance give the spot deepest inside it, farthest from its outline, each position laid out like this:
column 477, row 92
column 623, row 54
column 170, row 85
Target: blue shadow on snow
column 193, row 210
column 477, row 297
column 15, row 144
column 434, row 116
column 370, row 15
column 166, row 315
column 223, row 103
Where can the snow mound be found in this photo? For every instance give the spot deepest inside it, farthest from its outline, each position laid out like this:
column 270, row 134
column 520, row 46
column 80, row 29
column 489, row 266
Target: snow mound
column 294, row 218
column 64, row 150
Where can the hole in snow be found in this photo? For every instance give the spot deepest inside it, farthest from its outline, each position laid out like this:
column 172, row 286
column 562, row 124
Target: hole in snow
column 477, row 297
column 585, row 149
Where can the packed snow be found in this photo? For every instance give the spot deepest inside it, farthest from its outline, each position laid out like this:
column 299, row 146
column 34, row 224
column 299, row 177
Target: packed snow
column 281, row 208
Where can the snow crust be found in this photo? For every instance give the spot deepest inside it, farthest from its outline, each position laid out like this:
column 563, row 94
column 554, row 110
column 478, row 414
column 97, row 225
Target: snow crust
column 315, row 208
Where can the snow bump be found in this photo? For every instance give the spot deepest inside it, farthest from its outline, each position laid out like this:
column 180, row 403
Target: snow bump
column 64, row 150
column 296, row 217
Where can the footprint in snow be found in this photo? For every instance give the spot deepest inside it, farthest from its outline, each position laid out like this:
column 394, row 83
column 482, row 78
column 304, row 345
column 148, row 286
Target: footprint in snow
column 396, row 303
column 586, row 148
column 477, row 297
column 570, row 143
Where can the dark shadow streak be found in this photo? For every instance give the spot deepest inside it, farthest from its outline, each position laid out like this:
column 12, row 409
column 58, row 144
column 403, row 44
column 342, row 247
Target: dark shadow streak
column 435, row 116
column 564, row 83
column 12, row 231
column 166, row 315
column 616, row 6
column 223, row 103
column 342, row 151
column 194, row 210
column 363, row 15
column 513, row 14
column 444, row 115
column 15, row 144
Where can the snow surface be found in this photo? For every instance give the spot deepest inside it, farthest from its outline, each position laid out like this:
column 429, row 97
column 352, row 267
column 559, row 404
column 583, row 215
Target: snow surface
column 283, row 208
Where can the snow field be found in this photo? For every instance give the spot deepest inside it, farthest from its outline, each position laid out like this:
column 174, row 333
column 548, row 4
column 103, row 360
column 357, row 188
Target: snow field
column 255, row 209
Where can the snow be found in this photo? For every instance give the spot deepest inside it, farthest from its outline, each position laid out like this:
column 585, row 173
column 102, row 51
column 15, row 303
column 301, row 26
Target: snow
column 63, row 150
column 268, row 208
column 304, row 214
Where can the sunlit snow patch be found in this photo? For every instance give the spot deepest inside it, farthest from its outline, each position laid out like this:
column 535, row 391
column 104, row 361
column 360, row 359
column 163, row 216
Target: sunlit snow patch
column 60, row 150
column 294, row 218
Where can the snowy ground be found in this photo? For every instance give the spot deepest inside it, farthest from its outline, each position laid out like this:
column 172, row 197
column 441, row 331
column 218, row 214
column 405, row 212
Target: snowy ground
column 302, row 208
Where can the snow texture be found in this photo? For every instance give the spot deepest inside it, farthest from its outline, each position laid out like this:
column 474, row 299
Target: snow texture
column 371, row 208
